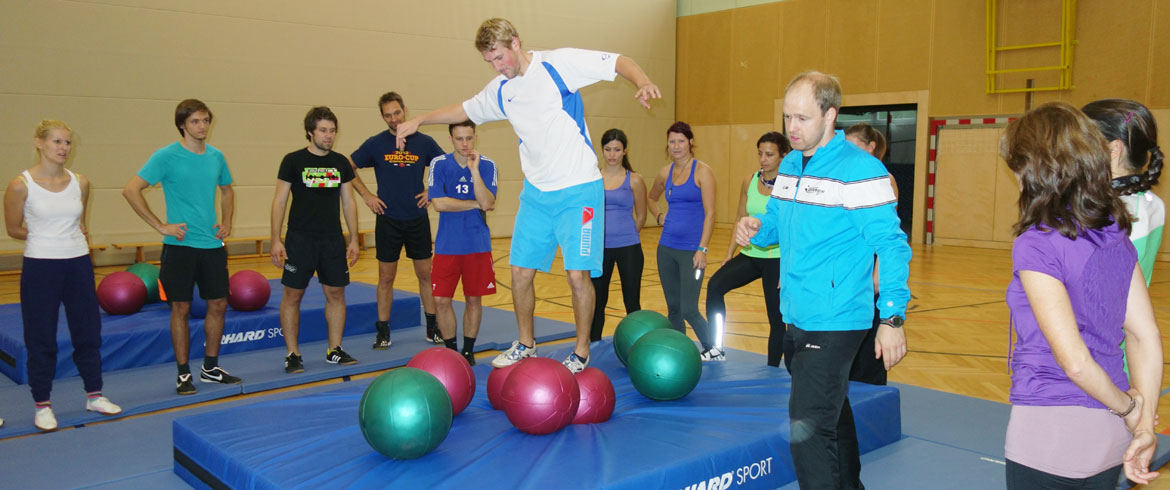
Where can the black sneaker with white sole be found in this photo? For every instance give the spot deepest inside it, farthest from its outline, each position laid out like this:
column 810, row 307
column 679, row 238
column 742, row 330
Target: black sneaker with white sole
column 338, row 356
column 382, row 341
column 293, row 364
column 217, row 375
column 184, row 386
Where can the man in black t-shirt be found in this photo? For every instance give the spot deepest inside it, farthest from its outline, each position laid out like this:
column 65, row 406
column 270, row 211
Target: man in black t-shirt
column 318, row 179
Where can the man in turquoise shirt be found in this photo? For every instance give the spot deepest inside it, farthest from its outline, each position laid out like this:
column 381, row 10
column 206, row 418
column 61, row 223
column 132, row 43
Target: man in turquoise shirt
column 190, row 170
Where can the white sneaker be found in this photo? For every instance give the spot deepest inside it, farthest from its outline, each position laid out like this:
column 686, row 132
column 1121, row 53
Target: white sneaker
column 513, row 355
column 575, row 363
column 712, row 354
column 45, row 421
column 1, row 422
column 103, row 406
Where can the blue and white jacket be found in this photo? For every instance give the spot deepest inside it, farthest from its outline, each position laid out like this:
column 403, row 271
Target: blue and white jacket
column 829, row 219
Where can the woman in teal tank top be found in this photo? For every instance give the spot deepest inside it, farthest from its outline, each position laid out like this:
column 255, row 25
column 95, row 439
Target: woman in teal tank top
column 742, row 266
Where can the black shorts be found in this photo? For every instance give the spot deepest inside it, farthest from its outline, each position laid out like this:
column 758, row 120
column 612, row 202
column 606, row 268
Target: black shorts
column 307, row 253
column 181, row 268
column 391, row 235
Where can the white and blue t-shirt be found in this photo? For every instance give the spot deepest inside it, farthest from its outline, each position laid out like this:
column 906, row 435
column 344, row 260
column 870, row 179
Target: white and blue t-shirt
column 461, row 232
column 545, row 109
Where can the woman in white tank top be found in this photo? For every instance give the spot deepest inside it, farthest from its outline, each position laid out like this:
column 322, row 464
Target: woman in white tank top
column 45, row 207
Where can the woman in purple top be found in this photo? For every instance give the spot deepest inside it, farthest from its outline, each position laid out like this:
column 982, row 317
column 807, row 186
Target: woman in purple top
column 1076, row 290
column 689, row 186
column 625, row 213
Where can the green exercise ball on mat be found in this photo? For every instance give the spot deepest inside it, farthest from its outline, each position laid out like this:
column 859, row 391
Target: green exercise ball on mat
column 149, row 274
column 405, row 413
column 664, row 365
column 632, row 328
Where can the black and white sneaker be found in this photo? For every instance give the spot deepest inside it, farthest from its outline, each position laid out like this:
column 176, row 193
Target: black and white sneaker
column 217, row 375
column 338, row 356
column 434, row 336
column 382, row 341
column 184, row 386
column 293, row 364
column 470, row 357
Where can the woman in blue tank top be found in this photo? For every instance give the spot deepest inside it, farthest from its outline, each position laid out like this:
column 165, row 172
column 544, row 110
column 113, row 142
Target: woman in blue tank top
column 689, row 186
column 625, row 213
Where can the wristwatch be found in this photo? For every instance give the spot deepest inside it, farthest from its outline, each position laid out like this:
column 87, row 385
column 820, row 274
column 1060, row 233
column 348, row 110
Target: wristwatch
column 894, row 321
column 703, row 249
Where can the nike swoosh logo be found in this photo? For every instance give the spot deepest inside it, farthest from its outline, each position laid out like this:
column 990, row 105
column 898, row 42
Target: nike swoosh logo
column 217, row 377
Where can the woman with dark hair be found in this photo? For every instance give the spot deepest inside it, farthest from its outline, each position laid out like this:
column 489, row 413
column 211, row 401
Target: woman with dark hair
column 45, row 206
column 742, row 266
column 1076, row 291
column 689, row 185
column 1135, row 162
column 625, row 213
column 873, row 142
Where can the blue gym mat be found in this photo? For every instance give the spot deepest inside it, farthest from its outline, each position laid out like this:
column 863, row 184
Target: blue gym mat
column 732, row 427
column 151, row 388
column 144, row 338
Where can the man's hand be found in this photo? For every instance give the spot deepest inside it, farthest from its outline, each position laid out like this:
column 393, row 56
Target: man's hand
column 376, row 205
column 745, row 229
column 352, row 251
column 647, row 92
column 278, row 254
column 178, row 230
column 889, row 345
column 422, row 198
column 473, row 162
column 222, row 230
column 405, row 129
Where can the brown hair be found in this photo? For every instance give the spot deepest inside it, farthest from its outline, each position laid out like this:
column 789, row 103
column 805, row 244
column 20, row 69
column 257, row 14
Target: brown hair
column 185, row 109
column 495, row 30
column 825, row 87
column 389, row 97
column 868, row 134
column 319, row 113
column 1062, row 162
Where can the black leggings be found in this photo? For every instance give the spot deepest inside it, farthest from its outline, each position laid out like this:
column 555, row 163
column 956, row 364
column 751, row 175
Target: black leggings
column 629, row 260
column 738, row 272
column 1023, row 477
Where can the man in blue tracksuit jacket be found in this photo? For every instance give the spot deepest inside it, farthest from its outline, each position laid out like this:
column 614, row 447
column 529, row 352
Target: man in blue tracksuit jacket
column 831, row 210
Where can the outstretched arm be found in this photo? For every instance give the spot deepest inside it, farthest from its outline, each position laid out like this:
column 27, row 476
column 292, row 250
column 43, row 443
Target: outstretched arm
column 444, row 115
column 630, row 70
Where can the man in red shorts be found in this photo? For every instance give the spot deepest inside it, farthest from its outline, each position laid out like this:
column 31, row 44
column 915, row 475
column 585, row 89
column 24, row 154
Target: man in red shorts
column 462, row 188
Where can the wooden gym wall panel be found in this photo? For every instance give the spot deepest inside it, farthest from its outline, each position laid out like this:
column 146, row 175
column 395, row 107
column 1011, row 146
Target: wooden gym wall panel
column 1158, row 86
column 117, row 75
column 1113, row 52
column 852, row 44
column 804, row 39
column 965, row 183
column 755, row 59
column 1007, row 197
column 957, row 81
column 713, row 147
column 903, row 45
column 707, row 78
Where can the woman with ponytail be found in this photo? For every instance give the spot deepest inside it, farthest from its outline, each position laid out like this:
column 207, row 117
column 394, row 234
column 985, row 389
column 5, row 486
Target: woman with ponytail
column 625, row 213
column 1135, row 162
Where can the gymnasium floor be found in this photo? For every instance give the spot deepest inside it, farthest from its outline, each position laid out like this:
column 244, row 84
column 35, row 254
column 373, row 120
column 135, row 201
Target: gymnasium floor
column 957, row 329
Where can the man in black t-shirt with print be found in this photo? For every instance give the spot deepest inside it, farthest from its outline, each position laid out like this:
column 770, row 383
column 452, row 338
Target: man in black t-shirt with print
column 318, row 180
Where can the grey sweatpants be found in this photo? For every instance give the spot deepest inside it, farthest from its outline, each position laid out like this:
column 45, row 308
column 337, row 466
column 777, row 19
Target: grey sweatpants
column 681, row 286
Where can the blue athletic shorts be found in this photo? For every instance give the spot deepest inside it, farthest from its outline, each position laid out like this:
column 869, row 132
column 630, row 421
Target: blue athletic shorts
column 573, row 217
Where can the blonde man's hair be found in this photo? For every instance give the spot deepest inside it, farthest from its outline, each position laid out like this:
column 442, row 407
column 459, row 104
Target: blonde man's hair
column 495, row 30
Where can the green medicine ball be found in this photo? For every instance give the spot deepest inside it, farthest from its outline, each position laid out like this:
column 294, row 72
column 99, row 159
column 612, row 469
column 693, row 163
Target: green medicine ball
column 632, row 328
column 664, row 365
column 405, row 413
column 149, row 275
